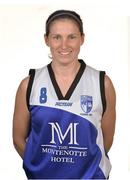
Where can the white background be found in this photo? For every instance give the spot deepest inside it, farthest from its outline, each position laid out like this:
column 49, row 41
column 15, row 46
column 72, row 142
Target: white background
column 106, row 47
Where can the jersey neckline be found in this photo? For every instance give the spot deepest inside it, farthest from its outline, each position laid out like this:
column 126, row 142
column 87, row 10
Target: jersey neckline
column 72, row 86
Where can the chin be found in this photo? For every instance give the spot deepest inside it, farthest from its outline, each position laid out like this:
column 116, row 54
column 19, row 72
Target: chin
column 65, row 61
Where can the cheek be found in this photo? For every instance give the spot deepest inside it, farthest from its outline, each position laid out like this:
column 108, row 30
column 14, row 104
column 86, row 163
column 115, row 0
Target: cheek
column 76, row 47
column 54, row 45
column 53, row 49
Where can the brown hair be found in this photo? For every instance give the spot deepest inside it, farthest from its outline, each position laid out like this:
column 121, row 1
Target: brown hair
column 64, row 14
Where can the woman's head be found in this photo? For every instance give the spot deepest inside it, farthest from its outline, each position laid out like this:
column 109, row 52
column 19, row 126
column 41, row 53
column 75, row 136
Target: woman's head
column 64, row 14
column 64, row 35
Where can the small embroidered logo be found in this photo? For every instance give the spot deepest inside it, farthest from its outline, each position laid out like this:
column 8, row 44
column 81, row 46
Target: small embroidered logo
column 86, row 103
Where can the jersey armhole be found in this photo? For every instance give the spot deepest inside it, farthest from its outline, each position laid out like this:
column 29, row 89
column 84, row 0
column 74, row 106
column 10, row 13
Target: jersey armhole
column 102, row 90
column 29, row 88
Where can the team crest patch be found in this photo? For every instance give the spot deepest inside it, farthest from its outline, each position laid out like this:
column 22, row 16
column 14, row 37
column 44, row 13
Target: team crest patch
column 86, row 103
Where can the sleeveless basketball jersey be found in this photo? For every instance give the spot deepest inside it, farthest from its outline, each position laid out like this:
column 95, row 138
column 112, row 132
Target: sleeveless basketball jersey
column 65, row 139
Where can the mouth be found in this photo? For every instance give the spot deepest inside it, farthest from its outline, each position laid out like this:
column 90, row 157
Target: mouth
column 65, row 53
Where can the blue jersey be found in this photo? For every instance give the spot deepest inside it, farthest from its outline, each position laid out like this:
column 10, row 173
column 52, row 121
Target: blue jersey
column 65, row 139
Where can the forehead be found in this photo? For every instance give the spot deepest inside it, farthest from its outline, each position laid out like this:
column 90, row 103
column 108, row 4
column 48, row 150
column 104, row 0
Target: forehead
column 64, row 25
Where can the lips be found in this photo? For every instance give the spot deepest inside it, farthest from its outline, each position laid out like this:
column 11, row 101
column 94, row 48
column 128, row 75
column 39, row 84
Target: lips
column 65, row 52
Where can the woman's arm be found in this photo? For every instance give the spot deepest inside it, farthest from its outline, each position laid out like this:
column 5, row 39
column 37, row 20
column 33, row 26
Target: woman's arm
column 109, row 116
column 21, row 118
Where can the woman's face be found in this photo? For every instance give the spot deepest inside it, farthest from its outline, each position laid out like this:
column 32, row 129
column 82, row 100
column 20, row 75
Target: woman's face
column 64, row 40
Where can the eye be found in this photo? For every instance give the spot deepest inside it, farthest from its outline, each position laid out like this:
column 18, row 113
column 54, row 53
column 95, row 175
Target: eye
column 56, row 37
column 72, row 36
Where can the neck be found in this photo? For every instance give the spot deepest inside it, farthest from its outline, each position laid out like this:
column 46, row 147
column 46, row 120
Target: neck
column 66, row 70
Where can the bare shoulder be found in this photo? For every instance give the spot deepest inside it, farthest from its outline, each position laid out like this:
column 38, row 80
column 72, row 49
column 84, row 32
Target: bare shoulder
column 110, row 91
column 24, row 84
column 108, row 82
column 21, row 91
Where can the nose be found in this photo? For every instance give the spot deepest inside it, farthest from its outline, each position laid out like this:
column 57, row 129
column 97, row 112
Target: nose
column 64, row 44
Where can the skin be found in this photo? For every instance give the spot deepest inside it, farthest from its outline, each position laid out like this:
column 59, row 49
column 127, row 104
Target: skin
column 21, row 118
column 64, row 41
column 109, row 117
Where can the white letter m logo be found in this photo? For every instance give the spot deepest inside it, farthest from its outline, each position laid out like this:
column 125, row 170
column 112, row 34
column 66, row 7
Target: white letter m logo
column 55, row 128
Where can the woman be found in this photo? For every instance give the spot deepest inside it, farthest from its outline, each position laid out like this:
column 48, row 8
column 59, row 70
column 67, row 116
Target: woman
column 64, row 117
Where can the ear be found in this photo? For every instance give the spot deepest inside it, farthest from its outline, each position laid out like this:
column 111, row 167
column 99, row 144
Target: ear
column 46, row 40
column 82, row 39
